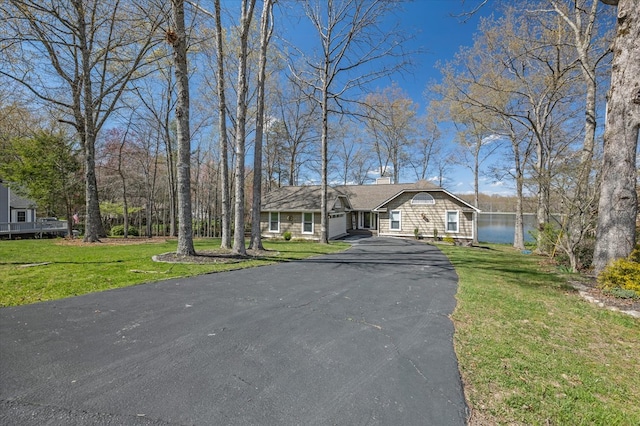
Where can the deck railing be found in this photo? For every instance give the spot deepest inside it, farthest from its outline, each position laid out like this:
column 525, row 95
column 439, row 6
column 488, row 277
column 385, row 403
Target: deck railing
column 36, row 228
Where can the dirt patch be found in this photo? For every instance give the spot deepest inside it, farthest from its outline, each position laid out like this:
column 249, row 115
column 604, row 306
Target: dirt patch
column 213, row 256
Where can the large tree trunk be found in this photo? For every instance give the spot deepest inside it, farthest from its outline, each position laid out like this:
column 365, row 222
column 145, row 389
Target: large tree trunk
column 241, row 117
column 178, row 39
column 265, row 35
column 93, row 226
column 618, row 207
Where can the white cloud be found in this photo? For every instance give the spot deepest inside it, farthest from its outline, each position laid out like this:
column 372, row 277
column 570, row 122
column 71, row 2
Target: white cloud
column 490, row 139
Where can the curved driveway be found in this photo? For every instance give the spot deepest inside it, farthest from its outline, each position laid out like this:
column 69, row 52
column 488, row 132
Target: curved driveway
column 355, row 338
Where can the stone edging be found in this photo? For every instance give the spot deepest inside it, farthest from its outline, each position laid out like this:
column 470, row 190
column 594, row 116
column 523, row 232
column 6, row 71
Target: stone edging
column 582, row 290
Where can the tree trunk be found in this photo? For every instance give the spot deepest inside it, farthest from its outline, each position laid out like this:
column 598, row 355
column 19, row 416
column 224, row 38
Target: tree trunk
column 265, row 34
column 225, row 219
column 518, row 236
column 93, row 225
column 324, row 213
column 241, row 117
column 178, row 39
column 618, row 206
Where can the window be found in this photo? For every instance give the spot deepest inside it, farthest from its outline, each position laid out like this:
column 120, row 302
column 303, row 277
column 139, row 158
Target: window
column 307, row 223
column 22, row 216
column 274, row 222
column 394, row 220
column 423, row 198
column 452, row 221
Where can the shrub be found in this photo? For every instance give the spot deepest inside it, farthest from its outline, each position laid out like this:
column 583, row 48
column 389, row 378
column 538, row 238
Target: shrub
column 118, row 231
column 545, row 238
column 416, row 233
column 286, row 235
column 448, row 239
column 622, row 274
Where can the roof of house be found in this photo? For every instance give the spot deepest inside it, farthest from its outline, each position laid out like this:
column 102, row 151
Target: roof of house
column 18, row 202
column 299, row 198
column 368, row 197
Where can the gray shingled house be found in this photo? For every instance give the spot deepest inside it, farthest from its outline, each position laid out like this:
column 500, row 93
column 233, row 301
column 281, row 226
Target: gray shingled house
column 14, row 208
column 384, row 209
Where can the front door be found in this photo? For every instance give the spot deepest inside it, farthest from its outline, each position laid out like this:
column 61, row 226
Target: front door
column 366, row 220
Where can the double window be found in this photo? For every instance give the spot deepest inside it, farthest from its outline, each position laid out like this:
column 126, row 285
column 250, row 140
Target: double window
column 452, row 218
column 395, row 220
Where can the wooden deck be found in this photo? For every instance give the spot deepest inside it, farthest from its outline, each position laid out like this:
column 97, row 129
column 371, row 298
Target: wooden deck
column 57, row 228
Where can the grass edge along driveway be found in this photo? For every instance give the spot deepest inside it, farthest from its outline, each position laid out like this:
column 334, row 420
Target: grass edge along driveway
column 532, row 351
column 39, row 270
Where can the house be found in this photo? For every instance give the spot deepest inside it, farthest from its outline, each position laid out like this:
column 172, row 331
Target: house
column 385, row 209
column 15, row 209
column 18, row 217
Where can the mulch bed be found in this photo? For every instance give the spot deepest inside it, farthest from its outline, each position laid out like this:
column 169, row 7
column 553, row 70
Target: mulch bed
column 212, row 256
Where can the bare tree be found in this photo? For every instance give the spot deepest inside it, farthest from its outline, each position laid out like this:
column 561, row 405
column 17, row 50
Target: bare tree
column 427, row 147
column 389, row 116
column 295, row 128
column 618, row 206
column 351, row 36
column 68, row 60
column 266, row 29
column 222, row 128
column 246, row 16
column 178, row 39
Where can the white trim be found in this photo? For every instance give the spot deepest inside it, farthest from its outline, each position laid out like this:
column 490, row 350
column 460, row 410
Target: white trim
column 446, row 221
column 399, row 228
column 312, row 222
column 269, row 222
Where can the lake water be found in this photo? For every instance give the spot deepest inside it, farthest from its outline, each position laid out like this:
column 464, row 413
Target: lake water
column 500, row 227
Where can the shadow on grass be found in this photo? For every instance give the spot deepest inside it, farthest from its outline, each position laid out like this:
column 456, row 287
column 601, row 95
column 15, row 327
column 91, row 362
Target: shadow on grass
column 63, row 262
column 513, row 267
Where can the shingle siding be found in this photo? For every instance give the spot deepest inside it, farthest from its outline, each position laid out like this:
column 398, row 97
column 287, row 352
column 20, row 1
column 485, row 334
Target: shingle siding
column 292, row 222
column 434, row 217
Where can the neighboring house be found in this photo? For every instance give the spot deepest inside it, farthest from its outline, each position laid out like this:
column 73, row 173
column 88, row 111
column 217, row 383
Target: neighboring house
column 14, row 208
column 18, row 217
column 384, row 209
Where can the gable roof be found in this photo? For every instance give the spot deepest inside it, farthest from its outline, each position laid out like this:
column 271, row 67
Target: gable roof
column 300, row 198
column 417, row 190
column 368, row 197
column 16, row 201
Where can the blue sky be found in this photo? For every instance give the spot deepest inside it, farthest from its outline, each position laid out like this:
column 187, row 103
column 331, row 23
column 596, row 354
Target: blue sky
column 440, row 29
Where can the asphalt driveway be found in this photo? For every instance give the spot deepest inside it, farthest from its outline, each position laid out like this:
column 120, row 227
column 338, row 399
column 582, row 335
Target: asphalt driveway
column 355, row 338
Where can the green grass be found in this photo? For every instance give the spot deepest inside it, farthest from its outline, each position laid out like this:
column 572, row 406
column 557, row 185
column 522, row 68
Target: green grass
column 75, row 270
column 531, row 351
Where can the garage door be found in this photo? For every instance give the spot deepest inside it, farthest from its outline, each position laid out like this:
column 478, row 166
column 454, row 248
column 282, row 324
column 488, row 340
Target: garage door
column 337, row 225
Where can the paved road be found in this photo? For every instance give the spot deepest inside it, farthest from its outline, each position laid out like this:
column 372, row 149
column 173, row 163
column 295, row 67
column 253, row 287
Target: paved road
column 356, row 338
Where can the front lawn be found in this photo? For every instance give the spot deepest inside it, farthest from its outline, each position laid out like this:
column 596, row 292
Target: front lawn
column 532, row 351
column 37, row 270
